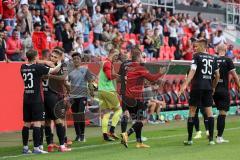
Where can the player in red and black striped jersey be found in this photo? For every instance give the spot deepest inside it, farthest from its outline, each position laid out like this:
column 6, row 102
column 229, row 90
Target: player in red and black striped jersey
column 134, row 101
column 221, row 95
column 204, row 76
column 33, row 109
column 54, row 90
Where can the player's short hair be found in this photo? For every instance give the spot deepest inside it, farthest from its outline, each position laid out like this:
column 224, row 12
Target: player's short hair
column 45, row 52
column 31, row 54
column 201, row 45
column 58, row 50
column 136, row 53
column 221, row 48
column 76, row 54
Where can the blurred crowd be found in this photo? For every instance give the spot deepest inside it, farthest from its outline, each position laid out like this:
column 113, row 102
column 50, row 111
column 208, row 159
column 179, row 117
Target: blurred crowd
column 92, row 30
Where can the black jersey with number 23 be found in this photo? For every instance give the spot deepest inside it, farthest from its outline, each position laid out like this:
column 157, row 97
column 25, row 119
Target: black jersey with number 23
column 206, row 65
column 31, row 74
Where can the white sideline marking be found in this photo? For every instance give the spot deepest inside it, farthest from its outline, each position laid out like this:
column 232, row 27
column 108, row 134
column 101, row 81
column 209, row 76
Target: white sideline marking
column 109, row 144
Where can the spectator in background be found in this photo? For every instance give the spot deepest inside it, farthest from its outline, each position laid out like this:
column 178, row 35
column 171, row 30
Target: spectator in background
column 97, row 20
column 120, row 6
column 36, row 17
column 59, row 4
column 148, row 43
column 94, row 48
column 89, row 4
column 25, row 19
column 59, row 27
column 26, row 43
column 106, row 35
column 214, row 25
column 67, row 38
column 172, row 27
column 230, row 53
column 199, row 18
column 78, row 45
column 178, row 55
column 78, row 26
column 159, row 28
column 85, row 19
column 123, row 25
column 14, row 47
column 2, row 47
column 33, row 4
column 9, row 15
column 2, row 26
column 157, row 41
column 71, row 18
column 202, row 36
column 219, row 38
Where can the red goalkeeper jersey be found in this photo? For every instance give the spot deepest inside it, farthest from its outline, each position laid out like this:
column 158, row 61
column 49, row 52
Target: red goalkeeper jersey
column 136, row 73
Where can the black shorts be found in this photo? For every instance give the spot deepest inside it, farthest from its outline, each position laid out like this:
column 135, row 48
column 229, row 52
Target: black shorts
column 201, row 98
column 222, row 100
column 33, row 112
column 78, row 107
column 53, row 106
column 136, row 108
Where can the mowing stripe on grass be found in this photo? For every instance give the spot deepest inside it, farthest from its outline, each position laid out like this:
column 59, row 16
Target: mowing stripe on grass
column 109, row 144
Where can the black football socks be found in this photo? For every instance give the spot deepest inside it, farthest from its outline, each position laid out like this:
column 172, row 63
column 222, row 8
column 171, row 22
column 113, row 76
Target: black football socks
column 211, row 127
column 36, row 136
column 220, row 124
column 42, row 135
column 196, row 123
column 190, row 124
column 60, row 129
column 124, row 122
column 25, row 135
column 77, row 128
column 48, row 135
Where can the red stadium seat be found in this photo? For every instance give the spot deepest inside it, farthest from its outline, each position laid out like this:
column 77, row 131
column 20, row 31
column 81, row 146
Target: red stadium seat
column 167, row 52
column 161, row 52
column 165, row 41
column 172, row 50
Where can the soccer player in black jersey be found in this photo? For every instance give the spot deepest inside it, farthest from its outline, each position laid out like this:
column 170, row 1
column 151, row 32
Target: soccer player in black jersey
column 33, row 109
column 53, row 102
column 122, row 73
column 221, row 96
column 204, row 76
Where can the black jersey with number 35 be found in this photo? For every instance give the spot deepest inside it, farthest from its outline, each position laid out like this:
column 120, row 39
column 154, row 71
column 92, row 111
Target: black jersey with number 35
column 225, row 65
column 205, row 66
column 31, row 74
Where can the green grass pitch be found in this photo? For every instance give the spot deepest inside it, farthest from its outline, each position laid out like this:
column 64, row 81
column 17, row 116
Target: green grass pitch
column 166, row 141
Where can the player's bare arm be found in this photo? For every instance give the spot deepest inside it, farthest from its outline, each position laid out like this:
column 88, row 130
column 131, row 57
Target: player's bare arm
column 187, row 81
column 235, row 77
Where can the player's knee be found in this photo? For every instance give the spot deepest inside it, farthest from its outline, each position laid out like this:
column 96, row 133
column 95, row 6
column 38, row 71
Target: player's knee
column 192, row 111
column 37, row 124
column 59, row 121
column 222, row 112
column 27, row 124
column 208, row 111
column 47, row 123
